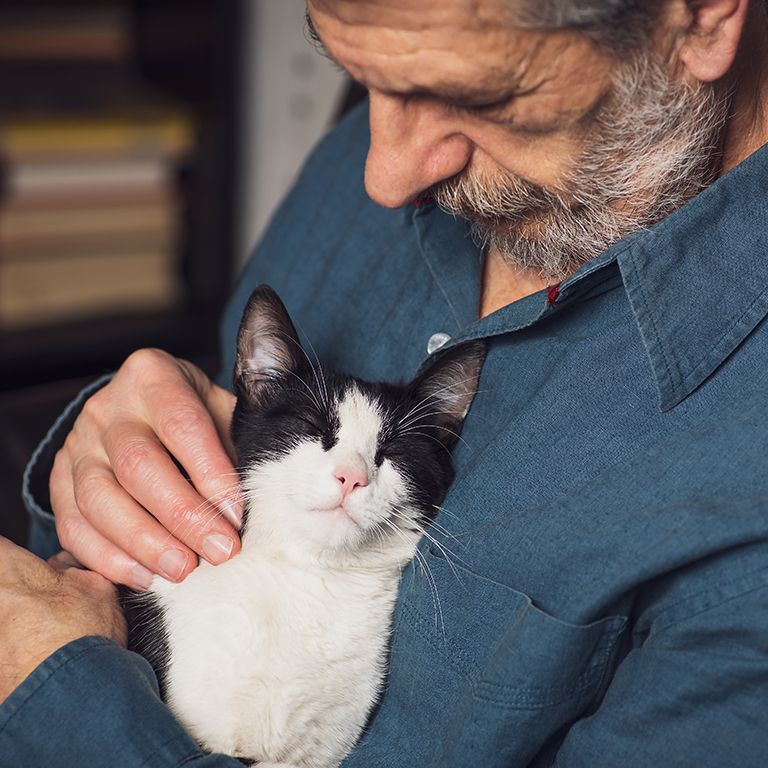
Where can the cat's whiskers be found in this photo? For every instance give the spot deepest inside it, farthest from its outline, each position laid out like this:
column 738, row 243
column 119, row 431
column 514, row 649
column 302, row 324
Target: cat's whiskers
column 189, row 519
column 378, row 532
column 316, row 372
column 179, row 530
column 421, row 418
column 446, row 511
column 320, row 367
column 446, row 553
column 410, row 431
column 310, row 394
column 430, row 437
column 424, row 402
column 439, row 528
column 421, row 560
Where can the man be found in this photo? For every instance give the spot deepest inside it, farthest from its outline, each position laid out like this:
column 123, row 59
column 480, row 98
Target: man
column 606, row 599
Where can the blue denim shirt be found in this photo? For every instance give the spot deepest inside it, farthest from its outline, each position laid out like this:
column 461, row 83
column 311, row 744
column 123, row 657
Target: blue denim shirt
column 600, row 597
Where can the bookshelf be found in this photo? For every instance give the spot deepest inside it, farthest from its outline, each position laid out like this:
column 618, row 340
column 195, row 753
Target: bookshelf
column 119, row 166
column 118, row 175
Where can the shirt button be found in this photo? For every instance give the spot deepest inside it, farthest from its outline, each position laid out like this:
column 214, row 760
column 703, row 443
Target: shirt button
column 437, row 340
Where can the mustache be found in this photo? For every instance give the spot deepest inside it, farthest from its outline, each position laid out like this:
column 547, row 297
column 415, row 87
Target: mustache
column 651, row 148
column 505, row 197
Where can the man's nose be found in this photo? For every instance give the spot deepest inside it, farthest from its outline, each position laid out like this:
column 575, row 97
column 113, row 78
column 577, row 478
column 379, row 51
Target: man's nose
column 413, row 146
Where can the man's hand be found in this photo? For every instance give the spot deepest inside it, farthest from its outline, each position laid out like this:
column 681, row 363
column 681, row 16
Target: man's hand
column 44, row 606
column 122, row 506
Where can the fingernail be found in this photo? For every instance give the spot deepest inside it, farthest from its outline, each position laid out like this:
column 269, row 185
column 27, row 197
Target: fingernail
column 232, row 512
column 141, row 576
column 172, row 563
column 217, row 548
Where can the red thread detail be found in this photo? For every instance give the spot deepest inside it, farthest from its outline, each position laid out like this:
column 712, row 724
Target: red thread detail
column 422, row 200
column 553, row 293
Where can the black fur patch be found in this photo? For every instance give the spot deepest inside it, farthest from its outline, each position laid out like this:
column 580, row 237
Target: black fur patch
column 147, row 634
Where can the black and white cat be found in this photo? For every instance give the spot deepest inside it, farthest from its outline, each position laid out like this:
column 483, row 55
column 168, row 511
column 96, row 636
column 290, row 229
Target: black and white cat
column 278, row 655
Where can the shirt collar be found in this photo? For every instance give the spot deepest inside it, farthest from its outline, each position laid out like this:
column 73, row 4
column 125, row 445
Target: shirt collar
column 697, row 281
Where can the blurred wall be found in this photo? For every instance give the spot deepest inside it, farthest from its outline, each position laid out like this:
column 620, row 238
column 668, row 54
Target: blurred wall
column 290, row 95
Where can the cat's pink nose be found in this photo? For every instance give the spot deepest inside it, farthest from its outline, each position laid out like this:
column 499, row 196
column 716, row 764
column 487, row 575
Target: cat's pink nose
column 350, row 478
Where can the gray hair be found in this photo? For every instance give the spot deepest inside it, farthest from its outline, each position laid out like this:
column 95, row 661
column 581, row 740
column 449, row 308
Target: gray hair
column 616, row 24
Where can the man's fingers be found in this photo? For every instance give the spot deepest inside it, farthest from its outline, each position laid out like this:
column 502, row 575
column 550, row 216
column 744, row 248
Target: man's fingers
column 144, row 469
column 185, row 427
column 94, row 551
column 117, row 491
column 220, row 403
column 129, row 525
column 63, row 560
column 111, row 510
column 101, row 555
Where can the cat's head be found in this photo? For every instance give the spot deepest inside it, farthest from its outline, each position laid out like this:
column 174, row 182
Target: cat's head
column 333, row 466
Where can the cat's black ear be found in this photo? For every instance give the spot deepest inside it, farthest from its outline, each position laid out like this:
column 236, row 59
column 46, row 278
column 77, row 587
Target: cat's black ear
column 268, row 347
column 444, row 391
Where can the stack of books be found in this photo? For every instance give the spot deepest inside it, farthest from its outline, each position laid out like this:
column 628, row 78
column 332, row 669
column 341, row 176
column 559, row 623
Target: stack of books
column 64, row 31
column 89, row 215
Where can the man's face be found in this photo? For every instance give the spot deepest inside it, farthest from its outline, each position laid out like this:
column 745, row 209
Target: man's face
column 534, row 136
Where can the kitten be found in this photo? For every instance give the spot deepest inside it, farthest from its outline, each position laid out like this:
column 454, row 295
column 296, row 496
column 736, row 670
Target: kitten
column 278, row 655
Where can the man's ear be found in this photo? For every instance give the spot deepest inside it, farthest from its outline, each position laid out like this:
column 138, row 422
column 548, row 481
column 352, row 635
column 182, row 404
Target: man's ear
column 712, row 37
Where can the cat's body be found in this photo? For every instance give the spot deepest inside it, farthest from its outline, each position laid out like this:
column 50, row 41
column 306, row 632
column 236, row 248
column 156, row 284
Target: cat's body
column 278, row 655
column 274, row 632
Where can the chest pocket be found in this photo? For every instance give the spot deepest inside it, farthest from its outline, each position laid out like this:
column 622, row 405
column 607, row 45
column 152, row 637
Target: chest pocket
column 505, row 674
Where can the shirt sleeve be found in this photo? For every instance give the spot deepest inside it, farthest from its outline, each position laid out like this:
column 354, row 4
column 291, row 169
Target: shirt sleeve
column 92, row 703
column 34, row 489
column 694, row 691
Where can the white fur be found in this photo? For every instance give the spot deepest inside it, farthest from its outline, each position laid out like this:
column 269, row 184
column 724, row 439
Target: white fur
column 278, row 654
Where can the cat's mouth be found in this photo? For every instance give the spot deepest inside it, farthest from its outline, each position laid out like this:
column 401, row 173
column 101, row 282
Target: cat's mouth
column 338, row 511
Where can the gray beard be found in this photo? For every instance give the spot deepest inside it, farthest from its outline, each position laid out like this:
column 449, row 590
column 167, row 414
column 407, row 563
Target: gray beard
column 655, row 146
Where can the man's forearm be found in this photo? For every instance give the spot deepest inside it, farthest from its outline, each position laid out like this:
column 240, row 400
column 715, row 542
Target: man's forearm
column 92, row 703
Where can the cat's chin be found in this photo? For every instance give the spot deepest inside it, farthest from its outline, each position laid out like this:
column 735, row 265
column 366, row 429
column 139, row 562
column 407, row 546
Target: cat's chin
column 332, row 536
column 305, row 533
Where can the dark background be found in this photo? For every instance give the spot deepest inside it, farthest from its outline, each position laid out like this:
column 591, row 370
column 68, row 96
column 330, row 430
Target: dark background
column 176, row 56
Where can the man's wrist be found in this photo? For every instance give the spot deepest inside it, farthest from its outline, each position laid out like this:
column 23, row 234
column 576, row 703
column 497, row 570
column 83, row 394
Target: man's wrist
column 38, row 469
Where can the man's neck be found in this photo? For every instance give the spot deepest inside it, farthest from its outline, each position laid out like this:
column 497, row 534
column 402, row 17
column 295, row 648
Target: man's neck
column 503, row 283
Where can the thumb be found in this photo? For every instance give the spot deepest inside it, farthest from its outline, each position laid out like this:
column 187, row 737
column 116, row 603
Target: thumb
column 63, row 560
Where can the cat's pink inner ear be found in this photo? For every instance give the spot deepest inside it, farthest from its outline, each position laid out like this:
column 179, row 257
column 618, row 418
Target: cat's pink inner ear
column 451, row 382
column 267, row 344
column 267, row 341
column 263, row 356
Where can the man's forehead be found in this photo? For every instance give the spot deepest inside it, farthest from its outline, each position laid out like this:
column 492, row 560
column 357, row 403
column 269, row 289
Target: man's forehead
column 407, row 14
column 452, row 48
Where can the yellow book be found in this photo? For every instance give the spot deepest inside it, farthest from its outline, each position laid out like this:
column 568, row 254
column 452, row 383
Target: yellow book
column 41, row 291
column 128, row 135
column 28, row 226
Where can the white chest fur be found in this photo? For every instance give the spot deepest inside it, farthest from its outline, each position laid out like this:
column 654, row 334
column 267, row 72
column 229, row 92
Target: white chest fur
column 276, row 661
